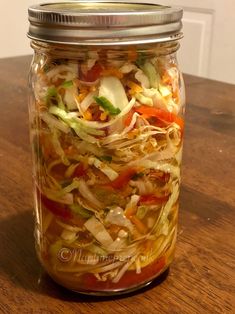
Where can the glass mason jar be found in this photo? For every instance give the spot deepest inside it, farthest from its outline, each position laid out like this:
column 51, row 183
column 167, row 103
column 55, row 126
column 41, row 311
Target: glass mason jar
column 106, row 116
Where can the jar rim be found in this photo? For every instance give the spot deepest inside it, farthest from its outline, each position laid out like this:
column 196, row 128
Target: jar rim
column 104, row 22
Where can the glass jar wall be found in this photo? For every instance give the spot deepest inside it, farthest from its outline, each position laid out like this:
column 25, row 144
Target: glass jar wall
column 106, row 131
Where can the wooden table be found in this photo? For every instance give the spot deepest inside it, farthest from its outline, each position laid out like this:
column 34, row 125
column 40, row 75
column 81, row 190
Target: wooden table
column 202, row 277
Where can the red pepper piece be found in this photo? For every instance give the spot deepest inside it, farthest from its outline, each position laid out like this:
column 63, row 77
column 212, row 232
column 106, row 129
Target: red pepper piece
column 94, row 73
column 151, row 199
column 123, row 178
column 148, row 112
column 80, row 171
column 56, row 208
column 129, row 117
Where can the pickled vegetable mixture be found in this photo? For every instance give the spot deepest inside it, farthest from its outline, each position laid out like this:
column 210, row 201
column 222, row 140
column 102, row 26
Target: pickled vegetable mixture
column 107, row 138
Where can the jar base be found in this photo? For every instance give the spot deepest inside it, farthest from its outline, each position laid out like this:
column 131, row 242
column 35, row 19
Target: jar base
column 161, row 276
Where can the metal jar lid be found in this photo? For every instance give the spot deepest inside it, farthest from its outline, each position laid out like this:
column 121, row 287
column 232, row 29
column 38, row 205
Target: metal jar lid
column 104, row 22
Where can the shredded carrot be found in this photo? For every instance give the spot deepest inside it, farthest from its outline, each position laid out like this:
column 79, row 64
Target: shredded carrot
column 128, row 118
column 130, row 211
column 83, row 91
column 134, row 88
column 139, row 225
column 81, row 96
column 112, row 72
column 166, row 79
column 87, row 115
column 103, row 116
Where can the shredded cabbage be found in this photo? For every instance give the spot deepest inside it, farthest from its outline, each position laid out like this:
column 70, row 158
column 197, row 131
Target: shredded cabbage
column 165, row 167
column 58, row 196
column 57, row 146
column 152, row 74
column 117, row 245
column 108, row 171
column 160, row 227
column 52, row 122
column 164, row 90
column 97, row 229
column 68, row 235
column 101, row 125
column 144, row 100
column 95, row 249
column 127, row 68
column 70, row 97
column 66, row 72
column 75, row 124
column 133, row 202
column 70, row 170
column 63, row 195
column 142, row 78
column 87, row 101
column 123, row 270
column 112, row 89
column 87, row 194
column 116, row 216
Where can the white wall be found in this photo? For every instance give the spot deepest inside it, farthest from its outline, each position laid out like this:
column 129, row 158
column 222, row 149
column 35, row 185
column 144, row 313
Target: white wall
column 14, row 26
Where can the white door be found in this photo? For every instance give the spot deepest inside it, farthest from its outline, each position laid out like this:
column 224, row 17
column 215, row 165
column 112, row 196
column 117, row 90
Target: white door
column 208, row 48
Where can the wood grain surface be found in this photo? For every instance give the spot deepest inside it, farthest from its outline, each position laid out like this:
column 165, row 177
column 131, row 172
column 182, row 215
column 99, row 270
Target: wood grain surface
column 202, row 277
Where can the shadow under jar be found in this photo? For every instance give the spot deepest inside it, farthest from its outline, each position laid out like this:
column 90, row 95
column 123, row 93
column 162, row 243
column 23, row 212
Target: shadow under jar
column 106, row 115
